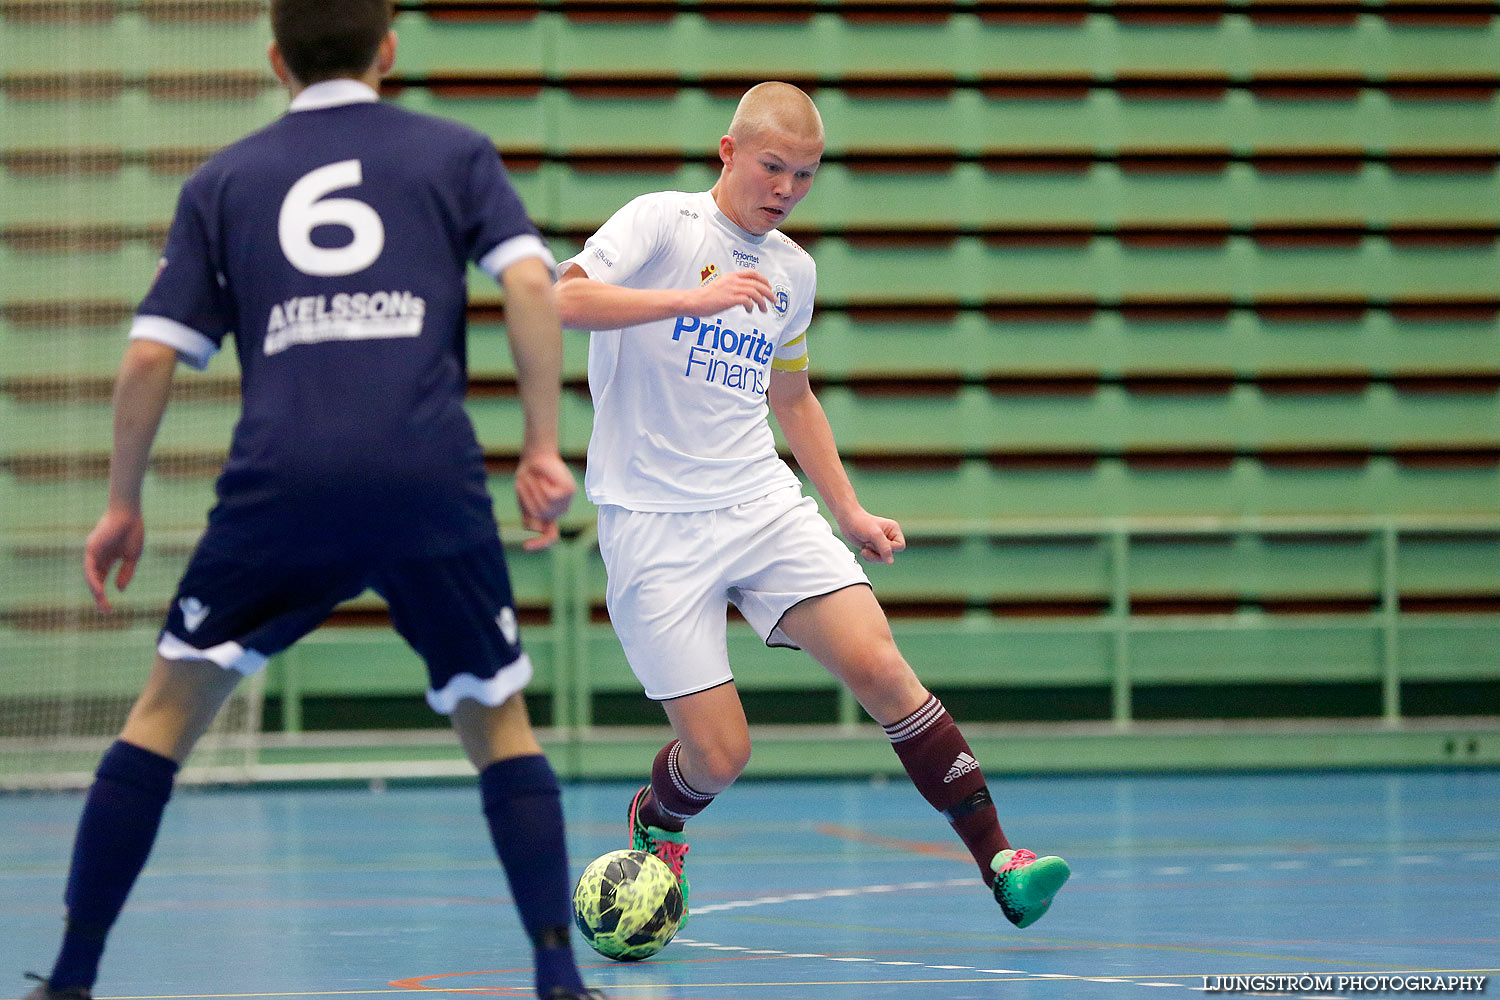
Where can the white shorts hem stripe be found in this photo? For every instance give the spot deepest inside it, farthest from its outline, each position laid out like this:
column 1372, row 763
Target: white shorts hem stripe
column 229, row 655
column 492, row 691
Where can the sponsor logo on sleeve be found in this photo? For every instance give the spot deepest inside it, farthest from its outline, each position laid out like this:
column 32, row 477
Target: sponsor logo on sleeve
column 193, row 612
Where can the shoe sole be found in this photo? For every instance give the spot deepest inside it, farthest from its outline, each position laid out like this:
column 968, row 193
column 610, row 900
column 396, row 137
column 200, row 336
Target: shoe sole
column 1039, row 883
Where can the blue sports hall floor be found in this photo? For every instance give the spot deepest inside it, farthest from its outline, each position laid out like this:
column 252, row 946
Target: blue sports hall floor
column 807, row 891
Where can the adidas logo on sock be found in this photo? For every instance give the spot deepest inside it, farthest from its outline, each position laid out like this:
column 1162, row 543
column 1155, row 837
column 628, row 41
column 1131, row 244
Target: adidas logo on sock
column 961, row 766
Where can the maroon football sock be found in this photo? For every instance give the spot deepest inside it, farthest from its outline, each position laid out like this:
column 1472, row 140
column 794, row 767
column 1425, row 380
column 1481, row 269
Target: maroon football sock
column 671, row 801
column 937, row 757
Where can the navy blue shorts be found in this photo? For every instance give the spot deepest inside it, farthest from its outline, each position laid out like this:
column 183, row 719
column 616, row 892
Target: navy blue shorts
column 455, row 611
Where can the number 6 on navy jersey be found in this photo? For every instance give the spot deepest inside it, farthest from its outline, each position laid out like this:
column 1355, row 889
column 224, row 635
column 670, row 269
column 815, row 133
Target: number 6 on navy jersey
column 305, row 208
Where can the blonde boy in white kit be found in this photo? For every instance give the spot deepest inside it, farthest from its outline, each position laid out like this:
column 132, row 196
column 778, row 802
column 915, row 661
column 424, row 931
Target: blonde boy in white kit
column 699, row 310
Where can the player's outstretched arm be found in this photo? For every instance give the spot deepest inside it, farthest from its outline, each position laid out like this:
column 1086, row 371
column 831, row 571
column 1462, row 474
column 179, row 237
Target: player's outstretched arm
column 141, row 391
column 805, row 427
column 544, row 483
column 587, row 304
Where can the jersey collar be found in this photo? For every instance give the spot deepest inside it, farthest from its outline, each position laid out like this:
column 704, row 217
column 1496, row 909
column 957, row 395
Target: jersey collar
column 331, row 94
column 726, row 223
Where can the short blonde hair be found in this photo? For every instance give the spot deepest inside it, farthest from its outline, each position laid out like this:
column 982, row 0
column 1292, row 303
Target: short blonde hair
column 775, row 107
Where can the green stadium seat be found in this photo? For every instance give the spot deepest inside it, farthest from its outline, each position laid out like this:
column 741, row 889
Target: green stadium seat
column 918, row 345
column 192, row 425
column 133, row 117
column 1202, row 123
column 497, row 421
column 963, row 269
column 492, row 46
column 1288, row 49
column 1048, row 47
column 48, row 576
column 949, row 490
column 961, row 120
column 1070, row 571
column 513, row 121
column 1444, row 272
column 132, row 195
column 131, row 41
column 490, row 357
column 1448, row 565
column 118, row 661
column 1257, row 567
column 72, row 505
column 70, row 353
column 341, row 661
column 1191, row 46
column 945, row 195
column 1343, row 651
column 1407, row 197
column 1310, row 194
column 622, row 121
column 123, row 274
column 949, row 47
column 582, row 199
column 1455, row 647
column 622, row 45
column 1458, row 49
column 1435, row 124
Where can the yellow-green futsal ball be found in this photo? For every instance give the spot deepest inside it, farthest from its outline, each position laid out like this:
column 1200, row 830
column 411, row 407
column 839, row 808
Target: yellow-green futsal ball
column 628, row 905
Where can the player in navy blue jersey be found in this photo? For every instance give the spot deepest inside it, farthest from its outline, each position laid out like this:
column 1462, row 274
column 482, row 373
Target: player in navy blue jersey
column 332, row 245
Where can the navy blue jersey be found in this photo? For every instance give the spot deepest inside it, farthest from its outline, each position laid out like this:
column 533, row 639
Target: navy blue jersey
column 333, row 245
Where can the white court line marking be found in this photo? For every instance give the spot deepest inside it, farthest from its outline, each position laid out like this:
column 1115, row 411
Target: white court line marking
column 1233, row 866
column 1173, row 870
column 1349, row 862
column 798, row 897
column 1005, row 972
column 965, row 968
column 1417, row 859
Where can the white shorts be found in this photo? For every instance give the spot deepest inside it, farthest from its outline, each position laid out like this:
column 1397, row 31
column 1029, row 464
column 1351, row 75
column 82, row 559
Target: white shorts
column 672, row 576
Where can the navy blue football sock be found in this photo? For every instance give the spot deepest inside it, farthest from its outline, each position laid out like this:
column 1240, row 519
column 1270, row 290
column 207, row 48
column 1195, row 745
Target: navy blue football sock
column 524, row 808
column 120, row 819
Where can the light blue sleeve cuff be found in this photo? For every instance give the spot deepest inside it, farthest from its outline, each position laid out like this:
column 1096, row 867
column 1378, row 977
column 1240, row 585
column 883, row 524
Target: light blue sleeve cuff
column 194, row 348
column 516, row 248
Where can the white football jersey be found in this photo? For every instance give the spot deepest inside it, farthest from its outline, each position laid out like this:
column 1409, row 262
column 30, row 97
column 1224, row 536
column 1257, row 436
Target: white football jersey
column 680, row 414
